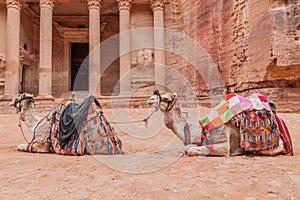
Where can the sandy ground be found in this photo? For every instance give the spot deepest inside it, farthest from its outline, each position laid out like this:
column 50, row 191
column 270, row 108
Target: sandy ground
column 152, row 168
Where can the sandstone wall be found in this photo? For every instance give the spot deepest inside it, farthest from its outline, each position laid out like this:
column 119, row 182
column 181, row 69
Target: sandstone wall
column 254, row 44
column 183, row 77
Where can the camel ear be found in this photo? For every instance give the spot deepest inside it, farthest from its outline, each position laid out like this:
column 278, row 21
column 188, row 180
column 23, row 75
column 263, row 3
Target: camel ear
column 174, row 96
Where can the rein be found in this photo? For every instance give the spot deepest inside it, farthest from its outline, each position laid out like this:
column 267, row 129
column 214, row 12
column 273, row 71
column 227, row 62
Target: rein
column 20, row 125
column 141, row 120
column 18, row 109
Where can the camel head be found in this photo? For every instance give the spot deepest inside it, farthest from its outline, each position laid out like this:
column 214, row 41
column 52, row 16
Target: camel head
column 165, row 102
column 22, row 103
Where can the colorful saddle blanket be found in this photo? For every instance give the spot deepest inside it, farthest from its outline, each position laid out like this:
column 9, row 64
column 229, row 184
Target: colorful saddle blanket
column 78, row 129
column 231, row 106
column 259, row 126
column 259, row 130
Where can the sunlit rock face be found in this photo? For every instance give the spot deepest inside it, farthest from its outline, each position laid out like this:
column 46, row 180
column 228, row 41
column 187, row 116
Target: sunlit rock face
column 255, row 44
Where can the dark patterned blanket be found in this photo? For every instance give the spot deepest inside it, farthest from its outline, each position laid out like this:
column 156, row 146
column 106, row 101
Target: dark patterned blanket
column 79, row 129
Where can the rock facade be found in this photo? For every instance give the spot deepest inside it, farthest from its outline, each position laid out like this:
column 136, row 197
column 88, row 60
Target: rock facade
column 254, row 44
column 244, row 45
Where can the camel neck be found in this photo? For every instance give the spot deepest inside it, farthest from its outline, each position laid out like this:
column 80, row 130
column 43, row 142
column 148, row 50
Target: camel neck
column 184, row 130
column 176, row 122
column 31, row 118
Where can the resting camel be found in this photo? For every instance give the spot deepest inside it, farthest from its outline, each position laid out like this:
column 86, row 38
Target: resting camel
column 85, row 129
column 220, row 141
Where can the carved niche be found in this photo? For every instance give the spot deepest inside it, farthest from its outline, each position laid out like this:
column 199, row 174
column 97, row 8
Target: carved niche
column 145, row 57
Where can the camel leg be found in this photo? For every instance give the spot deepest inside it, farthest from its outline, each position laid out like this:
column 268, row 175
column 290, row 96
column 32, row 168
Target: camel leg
column 40, row 148
column 220, row 149
column 35, row 148
column 194, row 150
column 216, row 144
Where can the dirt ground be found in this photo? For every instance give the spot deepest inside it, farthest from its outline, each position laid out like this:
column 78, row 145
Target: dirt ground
column 153, row 167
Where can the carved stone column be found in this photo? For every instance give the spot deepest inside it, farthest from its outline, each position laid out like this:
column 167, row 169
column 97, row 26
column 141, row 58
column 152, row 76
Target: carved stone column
column 12, row 79
column 124, row 40
column 94, row 47
column 159, row 43
column 45, row 68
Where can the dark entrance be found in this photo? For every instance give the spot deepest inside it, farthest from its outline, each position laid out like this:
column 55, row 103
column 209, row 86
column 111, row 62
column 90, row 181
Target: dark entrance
column 27, row 85
column 79, row 67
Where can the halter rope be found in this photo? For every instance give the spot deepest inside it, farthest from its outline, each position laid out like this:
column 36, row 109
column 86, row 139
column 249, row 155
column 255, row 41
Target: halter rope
column 141, row 120
column 18, row 109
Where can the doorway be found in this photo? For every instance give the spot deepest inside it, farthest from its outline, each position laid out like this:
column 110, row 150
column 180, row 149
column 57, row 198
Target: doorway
column 79, row 67
column 27, row 84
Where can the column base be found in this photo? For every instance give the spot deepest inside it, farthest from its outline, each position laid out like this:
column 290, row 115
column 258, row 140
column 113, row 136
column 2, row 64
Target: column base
column 8, row 97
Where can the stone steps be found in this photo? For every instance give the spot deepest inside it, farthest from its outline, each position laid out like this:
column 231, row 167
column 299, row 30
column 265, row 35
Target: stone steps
column 287, row 103
column 105, row 102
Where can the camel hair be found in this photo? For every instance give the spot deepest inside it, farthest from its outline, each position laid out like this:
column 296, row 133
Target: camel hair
column 223, row 141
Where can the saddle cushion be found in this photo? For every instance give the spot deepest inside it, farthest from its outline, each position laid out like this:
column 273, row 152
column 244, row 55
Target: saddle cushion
column 259, row 130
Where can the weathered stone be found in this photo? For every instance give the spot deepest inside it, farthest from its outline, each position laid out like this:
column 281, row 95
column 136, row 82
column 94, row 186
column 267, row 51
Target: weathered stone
column 252, row 44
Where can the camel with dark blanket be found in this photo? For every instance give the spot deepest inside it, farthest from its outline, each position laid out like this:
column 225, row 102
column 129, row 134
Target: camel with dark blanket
column 69, row 129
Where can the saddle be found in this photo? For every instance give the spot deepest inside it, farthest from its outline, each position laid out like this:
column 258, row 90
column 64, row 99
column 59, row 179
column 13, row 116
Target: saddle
column 77, row 129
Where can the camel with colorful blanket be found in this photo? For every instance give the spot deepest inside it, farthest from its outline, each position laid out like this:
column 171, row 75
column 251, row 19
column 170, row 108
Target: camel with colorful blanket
column 236, row 126
column 69, row 129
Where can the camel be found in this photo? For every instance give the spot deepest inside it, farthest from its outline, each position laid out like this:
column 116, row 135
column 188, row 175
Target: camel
column 45, row 135
column 221, row 141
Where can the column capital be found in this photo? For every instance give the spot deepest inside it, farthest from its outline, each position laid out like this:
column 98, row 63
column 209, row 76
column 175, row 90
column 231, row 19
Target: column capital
column 47, row 3
column 13, row 4
column 158, row 4
column 124, row 4
column 96, row 4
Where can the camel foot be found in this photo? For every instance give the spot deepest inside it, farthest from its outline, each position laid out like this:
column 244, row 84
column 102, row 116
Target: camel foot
column 22, row 147
column 208, row 150
column 193, row 150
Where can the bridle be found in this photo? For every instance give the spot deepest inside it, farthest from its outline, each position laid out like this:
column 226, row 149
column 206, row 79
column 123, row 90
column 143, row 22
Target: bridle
column 170, row 103
column 18, row 105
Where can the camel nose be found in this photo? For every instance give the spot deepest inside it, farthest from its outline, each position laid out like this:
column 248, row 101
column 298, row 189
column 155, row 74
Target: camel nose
column 151, row 100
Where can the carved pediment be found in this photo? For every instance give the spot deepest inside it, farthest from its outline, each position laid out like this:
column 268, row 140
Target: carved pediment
column 72, row 33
